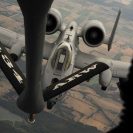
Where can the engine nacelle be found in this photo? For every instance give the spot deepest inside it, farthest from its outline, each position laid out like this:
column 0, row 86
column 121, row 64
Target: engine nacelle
column 105, row 78
column 93, row 33
column 54, row 21
column 16, row 51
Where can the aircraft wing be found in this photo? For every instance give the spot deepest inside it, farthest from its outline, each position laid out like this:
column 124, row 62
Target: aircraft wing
column 11, row 71
column 118, row 69
column 9, row 38
column 16, row 43
column 74, row 79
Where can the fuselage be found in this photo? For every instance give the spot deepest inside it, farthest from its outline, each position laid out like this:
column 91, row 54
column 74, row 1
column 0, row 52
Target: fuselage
column 62, row 59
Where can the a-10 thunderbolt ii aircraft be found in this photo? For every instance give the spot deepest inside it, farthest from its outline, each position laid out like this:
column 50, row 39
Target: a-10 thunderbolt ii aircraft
column 63, row 56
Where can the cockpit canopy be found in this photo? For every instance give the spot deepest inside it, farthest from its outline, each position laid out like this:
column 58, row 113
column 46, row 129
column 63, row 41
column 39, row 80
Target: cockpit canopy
column 62, row 57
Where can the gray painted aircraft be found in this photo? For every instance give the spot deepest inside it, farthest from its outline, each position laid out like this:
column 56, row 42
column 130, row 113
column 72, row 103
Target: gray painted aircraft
column 64, row 54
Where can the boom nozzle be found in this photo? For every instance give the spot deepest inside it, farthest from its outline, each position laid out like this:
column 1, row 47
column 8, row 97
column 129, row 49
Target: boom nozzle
column 31, row 118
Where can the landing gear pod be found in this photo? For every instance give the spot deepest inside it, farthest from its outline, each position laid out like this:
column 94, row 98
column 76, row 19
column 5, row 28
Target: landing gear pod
column 105, row 79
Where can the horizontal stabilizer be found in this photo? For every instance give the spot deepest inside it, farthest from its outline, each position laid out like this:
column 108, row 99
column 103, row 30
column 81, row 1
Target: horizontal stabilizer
column 73, row 80
column 11, row 70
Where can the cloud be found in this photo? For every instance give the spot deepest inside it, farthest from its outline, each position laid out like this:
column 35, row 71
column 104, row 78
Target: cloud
column 125, row 2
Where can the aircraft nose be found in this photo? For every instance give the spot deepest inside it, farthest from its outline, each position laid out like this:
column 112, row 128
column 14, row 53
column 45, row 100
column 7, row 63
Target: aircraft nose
column 73, row 25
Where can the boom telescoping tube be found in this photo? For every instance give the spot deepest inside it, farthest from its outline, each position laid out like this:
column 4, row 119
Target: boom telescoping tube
column 35, row 14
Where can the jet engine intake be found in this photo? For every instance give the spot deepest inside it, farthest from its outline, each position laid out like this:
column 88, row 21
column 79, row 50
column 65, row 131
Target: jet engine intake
column 93, row 33
column 54, row 21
